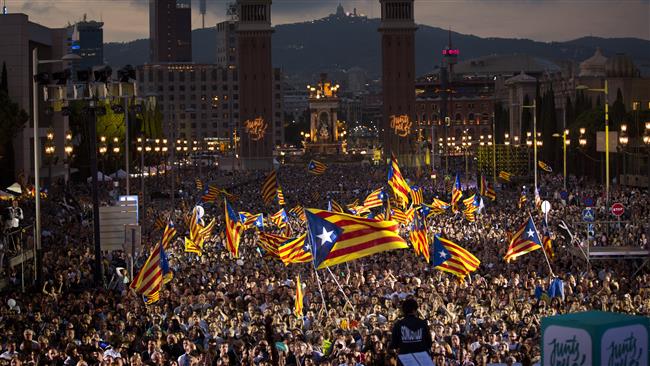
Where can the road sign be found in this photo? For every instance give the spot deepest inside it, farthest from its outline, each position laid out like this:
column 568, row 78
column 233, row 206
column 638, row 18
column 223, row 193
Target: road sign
column 588, row 215
column 618, row 209
column 546, row 207
column 590, row 230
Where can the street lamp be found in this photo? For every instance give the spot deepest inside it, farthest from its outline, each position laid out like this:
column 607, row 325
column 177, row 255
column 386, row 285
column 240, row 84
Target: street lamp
column 535, row 144
column 623, row 139
column 565, row 144
column 582, row 140
column 37, row 152
column 68, row 152
column 604, row 90
column 49, row 152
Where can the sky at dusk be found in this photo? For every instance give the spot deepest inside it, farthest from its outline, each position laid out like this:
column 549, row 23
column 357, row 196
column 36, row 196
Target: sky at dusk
column 542, row 20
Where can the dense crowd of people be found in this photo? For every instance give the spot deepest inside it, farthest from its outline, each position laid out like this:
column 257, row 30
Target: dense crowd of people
column 219, row 310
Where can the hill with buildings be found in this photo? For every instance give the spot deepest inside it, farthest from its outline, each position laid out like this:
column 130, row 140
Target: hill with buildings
column 343, row 41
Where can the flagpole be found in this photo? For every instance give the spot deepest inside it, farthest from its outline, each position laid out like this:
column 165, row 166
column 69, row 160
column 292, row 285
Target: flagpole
column 313, row 262
column 542, row 244
column 341, row 289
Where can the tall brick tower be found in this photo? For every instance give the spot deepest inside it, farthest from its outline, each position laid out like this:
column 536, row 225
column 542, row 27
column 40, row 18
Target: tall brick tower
column 398, row 79
column 255, row 83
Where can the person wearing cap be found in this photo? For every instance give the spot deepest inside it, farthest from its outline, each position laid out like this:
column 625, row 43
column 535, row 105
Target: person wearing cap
column 411, row 334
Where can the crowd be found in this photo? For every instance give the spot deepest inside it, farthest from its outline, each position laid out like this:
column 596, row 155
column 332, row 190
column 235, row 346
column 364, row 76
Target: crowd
column 218, row 310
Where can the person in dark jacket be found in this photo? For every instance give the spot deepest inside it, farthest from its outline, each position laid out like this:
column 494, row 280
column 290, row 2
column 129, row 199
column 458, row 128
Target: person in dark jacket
column 411, row 334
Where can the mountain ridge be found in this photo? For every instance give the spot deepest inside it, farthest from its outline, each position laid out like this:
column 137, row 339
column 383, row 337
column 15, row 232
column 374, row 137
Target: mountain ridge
column 334, row 43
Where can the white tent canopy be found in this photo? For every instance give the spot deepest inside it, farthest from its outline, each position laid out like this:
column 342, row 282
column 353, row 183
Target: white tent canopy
column 120, row 174
column 15, row 188
column 100, row 177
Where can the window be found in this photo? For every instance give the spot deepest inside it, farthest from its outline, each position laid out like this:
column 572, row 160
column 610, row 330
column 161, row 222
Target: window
column 171, row 88
column 170, row 76
column 192, row 76
column 181, row 76
column 181, row 87
column 182, row 116
column 224, row 87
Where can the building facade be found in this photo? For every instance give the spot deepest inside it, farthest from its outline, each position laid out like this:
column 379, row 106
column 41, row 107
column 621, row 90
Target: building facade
column 16, row 53
column 88, row 43
column 398, row 79
column 257, row 129
column 227, row 43
column 200, row 101
column 170, row 31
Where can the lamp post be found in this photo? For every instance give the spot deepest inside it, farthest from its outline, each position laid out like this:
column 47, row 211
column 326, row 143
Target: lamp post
column 116, row 151
column 49, row 152
column 582, row 139
column 68, row 153
column 37, row 153
column 565, row 144
column 623, row 139
column 604, row 90
column 140, row 149
column 102, row 152
column 646, row 141
column 535, row 144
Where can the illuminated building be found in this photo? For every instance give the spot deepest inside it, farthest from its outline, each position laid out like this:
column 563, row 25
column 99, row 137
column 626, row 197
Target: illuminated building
column 398, row 79
column 170, row 31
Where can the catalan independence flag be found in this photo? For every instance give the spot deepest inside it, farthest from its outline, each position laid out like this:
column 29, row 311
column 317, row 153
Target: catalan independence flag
column 299, row 212
column 486, row 190
column 417, row 196
column 250, row 220
column 271, row 243
column 338, row 238
column 199, row 184
column 522, row 200
column 211, row 194
column 525, row 240
column 295, row 250
column 397, row 182
column 279, row 218
column 456, row 192
column 505, row 176
column 281, row 201
column 316, row 167
column 299, row 298
column 148, row 282
column 269, row 187
column 234, row 229
column 375, row 199
column 547, row 241
column 418, row 236
column 450, row 257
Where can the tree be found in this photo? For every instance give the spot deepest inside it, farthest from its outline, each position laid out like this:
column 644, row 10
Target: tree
column 4, row 83
column 12, row 120
column 151, row 121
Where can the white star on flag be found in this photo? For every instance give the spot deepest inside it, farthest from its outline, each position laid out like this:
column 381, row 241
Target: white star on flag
column 442, row 254
column 531, row 233
column 325, row 236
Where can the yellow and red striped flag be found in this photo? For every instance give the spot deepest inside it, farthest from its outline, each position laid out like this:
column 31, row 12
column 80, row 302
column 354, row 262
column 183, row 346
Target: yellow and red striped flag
column 316, row 167
column 338, row 238
column 375, row 199
column 299, row 212
column 525, row 240
column 299, row 298
column 271, row 243
column 295, row 250
column 417, row 196
column 281, row 201
column 450, row 257
column 397, row 182
column 486, row 190
column 269, row 187
column 211, row 194
column 234, row 230
column 418, row 236
column 199, row 184
column 148, row 282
